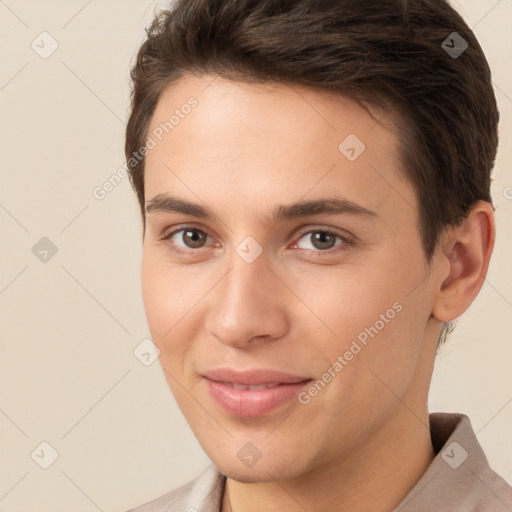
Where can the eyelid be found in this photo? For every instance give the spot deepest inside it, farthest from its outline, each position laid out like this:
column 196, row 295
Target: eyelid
column 342, row 233
column 345, row 235
column 183, row 227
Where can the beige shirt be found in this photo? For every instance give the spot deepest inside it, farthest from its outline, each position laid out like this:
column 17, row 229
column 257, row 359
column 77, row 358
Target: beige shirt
column 459, row 479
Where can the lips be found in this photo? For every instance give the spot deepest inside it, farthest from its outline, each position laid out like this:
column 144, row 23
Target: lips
column 254, row 392
column 253, row 387
column 253, row 377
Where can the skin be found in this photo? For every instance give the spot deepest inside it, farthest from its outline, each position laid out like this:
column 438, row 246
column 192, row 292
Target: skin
column 363, row 442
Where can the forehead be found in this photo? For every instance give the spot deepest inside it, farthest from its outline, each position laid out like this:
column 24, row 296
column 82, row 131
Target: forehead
column 258, row 144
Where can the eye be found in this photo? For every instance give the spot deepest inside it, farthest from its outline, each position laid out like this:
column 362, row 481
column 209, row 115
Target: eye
column 321, row 240
column 190, row 238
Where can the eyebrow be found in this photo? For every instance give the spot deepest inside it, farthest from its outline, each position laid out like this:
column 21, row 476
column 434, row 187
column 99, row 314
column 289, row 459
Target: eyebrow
column 164, row 203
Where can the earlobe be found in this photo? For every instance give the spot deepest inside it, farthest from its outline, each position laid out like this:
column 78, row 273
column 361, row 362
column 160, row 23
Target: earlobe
column 467, row 251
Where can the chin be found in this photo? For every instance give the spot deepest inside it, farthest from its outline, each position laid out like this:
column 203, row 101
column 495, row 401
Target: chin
column 259, row 473
column 249, row 476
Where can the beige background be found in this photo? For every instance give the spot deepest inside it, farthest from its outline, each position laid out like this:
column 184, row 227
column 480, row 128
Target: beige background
column 69, row 326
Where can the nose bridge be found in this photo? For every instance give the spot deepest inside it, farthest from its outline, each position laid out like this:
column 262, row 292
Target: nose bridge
column 244, row 282
column 245, row 304
column 245, row 288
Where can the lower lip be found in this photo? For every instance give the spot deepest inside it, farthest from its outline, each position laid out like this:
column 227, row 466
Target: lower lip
column 252, row 402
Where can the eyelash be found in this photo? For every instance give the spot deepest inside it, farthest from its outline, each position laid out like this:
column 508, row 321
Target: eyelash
column 347, row 242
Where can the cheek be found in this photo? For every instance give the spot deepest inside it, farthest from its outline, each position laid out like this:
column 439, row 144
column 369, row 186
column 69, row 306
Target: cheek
column 170, row 297
column 163, row 298
column 344, row 302
column 164, row 308
column 155, row 294
column 372, row 320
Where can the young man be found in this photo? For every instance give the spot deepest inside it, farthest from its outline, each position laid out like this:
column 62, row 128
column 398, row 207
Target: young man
column 314, row 182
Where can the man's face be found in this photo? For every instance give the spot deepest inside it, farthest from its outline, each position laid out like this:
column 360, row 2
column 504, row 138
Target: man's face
column 342, row 299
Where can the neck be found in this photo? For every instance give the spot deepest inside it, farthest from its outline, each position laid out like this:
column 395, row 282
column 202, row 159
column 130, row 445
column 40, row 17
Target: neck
column 375, row 476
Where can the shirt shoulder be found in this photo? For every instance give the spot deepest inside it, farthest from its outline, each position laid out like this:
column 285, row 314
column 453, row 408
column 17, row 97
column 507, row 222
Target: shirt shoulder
column 497, row 492
column 202, row 494
column 460, row 477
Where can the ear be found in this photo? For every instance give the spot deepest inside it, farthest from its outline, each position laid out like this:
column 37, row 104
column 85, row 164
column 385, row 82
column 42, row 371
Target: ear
column 467, row 249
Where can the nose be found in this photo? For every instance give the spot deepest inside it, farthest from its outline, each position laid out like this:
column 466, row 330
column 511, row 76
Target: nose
column 249, row 305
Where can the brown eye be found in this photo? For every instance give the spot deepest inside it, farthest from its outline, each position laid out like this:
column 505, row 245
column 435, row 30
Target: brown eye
column 187, row 238
column 194, row 238
column 321, row 239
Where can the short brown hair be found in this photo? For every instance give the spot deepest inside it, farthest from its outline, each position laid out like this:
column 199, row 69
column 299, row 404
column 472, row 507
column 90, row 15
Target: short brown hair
column 389, row 53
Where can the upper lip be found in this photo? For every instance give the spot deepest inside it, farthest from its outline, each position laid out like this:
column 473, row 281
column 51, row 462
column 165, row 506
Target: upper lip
column 253, row 377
